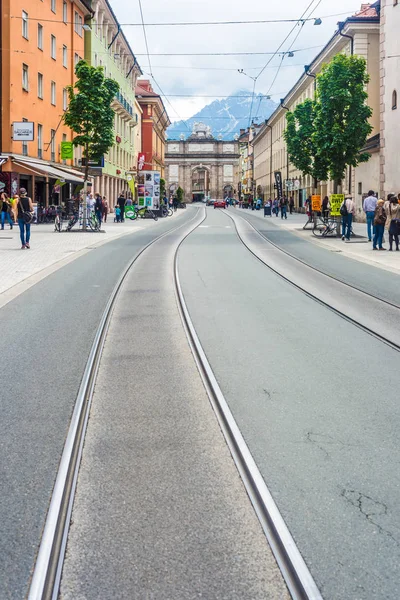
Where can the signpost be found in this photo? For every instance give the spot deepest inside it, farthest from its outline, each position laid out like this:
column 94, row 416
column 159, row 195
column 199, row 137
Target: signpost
column 336, row 201
column 316, row 203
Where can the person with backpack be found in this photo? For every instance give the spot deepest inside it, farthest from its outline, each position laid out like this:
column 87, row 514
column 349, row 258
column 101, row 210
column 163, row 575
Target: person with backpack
column 347, row 210
column 25, row 217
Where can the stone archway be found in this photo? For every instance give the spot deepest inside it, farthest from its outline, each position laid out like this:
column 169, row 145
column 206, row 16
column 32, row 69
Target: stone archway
column 200, row 183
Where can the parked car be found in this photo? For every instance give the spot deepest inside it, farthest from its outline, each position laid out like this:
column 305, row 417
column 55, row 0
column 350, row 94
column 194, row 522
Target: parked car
column 219, row 204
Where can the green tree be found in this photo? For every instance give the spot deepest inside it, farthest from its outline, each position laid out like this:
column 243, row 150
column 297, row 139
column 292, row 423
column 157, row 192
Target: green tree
column 180, row 194
column 89, row 113
column 299, row 138
column 341, row 126
column 162, row 188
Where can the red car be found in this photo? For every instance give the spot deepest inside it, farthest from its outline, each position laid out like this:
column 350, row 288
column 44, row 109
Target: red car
column 220, row 204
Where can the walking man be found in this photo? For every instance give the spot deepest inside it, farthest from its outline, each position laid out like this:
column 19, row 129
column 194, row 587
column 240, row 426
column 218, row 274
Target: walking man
column 369, row 206
column 347, row 210
column 121, row 204
column 283, row 204
column 25, row 216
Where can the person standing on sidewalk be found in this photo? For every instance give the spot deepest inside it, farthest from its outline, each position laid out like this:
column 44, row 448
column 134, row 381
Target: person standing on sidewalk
column 325, row 207
column 369, row 206
column 291, row 204
column 5, row 210
column 393, row 222
column 98, row 207
column 275, row 206
column 283, row 205
column 121, row 204
column 105, row 209
column 25, row 208
column 347, row 210
column 379, row 224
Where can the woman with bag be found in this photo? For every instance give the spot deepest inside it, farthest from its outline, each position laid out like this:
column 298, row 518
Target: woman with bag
column 379, row 223
column 393, row 222
column 25, row 216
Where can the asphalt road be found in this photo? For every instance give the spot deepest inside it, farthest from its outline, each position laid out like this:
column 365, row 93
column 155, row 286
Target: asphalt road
column 160, row 511
column 46, row 336
column 316, row 399
column 373, row 280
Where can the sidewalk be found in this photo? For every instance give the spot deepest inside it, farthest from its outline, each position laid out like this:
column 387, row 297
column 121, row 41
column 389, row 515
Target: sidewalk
column 51, row 251
column 358, row 249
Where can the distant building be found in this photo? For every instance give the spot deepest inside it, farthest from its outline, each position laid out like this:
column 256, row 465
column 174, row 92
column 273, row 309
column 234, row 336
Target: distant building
column 155, row 122
column 202, row 165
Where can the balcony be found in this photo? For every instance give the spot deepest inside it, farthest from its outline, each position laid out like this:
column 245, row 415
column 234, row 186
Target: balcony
column 122, row 106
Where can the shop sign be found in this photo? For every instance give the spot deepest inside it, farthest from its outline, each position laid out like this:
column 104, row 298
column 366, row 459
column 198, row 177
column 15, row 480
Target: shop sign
column 278, row 183
column 148, row 187
column 297, row 184
column 336, row 201
column 67, row 151
column 23, row 131
column 316, row 203
column 93, row 163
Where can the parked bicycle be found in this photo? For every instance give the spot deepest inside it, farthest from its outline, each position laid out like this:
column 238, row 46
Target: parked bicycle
column 143, row 212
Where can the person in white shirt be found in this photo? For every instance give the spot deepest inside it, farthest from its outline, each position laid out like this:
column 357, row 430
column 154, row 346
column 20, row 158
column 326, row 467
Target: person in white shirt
column 348, row 211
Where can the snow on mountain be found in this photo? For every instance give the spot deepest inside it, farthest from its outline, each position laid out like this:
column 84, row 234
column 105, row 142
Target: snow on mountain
column 226, row 116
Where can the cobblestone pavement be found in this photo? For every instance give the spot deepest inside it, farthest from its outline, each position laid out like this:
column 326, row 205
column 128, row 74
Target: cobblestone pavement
column 358, row 248
column 49, row 247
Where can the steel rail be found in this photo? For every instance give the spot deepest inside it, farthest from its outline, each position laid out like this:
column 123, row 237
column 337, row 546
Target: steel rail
column 303, row 262
column 341, row 314
column 46, row 578
column 297, row 576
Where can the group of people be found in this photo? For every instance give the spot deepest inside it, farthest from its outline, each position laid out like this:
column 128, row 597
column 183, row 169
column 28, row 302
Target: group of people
column 278, row 205
column 20, row 209
column 382, row 214
column 98, row 204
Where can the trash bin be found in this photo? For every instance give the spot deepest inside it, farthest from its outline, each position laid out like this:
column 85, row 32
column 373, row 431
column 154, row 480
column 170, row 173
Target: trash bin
column 267, row 211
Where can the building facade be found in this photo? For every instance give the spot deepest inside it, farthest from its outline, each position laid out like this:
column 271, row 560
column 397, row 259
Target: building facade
column 107, row 47
column 40, row 42
column 155, row 122
column 202, row 166
column 360, row 35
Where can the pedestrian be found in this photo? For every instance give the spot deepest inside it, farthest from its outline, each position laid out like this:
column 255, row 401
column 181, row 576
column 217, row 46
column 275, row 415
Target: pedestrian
column 175, row 203
column 165, row 201
column 25, row 216
column 5, row 210
column 379, row 224
column 393, row 222
column 129, row 201
column 325, row 207
column 369, row 206
column 283, row 206
column 258, row 203
column 105, row 209
column 347, row 210
column 275, row 207
column 117, row 217
column 13, row 211
column 291, row 204
column 98, row 207
column 121, row 204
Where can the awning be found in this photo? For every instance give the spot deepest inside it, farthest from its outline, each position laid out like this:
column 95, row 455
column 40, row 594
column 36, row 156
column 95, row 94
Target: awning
column 45, row 169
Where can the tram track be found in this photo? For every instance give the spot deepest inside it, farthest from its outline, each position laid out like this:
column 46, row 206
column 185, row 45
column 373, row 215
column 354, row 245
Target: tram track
column 46, row 579
column 303, row 262
column 355, row 310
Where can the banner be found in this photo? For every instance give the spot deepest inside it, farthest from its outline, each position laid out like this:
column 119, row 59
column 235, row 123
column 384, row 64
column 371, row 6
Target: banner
column 131, row 182
column 141, row 161
column 316, row 203
column 279, row 185
column 336, row 201
column 149, row 189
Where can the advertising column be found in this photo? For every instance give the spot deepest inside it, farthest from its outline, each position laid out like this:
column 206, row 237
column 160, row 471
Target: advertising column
column 149, row 189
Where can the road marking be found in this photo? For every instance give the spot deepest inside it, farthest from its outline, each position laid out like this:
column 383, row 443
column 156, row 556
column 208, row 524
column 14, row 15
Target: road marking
column 204, row 226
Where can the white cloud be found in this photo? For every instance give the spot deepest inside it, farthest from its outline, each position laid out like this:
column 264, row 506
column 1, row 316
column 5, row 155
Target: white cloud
column 210, row 81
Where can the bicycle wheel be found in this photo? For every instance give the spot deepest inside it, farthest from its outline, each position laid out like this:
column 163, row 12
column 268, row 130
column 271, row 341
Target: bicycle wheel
column 57, row 224
column 170, row 212
column 319, row 229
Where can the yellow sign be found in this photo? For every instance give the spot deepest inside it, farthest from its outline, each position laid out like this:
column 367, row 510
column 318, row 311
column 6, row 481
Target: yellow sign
column 67, row 150
column 131, row 182
column 316, row 203
column 336, row 201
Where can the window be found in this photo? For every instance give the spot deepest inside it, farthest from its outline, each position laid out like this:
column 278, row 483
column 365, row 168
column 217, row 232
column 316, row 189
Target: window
column 65, row 56
column 25, row 24
column 25, row 78
column 53, row 145
column 78, row 23
column 40, row 85
column 40, row 140
column 65, row 99
column 394, row 100
column 24, row 144
column 77, row 58
column 40, row 36
column 53, row 47
column 65, row 12
column 53, row 93
column 53, row 5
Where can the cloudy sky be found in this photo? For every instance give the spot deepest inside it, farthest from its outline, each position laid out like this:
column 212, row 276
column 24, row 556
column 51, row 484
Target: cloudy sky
column 208, row 77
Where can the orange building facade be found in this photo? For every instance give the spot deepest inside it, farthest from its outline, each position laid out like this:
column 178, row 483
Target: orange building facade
column 41, row 41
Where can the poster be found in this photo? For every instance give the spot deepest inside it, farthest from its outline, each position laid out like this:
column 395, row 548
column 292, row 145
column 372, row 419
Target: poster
column 316, row 203
column 336, row 201
column 149, row 189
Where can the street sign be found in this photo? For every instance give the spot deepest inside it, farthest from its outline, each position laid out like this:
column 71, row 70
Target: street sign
column 316, row 203
column 297, row 184
column 23, row 131
column 336, row 201
column 67, row 151
column 94, row 163
column 289, row 184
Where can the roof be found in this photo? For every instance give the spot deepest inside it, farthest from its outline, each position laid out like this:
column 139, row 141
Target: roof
column 367, row 10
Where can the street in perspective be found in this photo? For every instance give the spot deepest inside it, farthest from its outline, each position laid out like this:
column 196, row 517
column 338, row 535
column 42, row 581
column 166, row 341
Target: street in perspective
column 199, row 300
